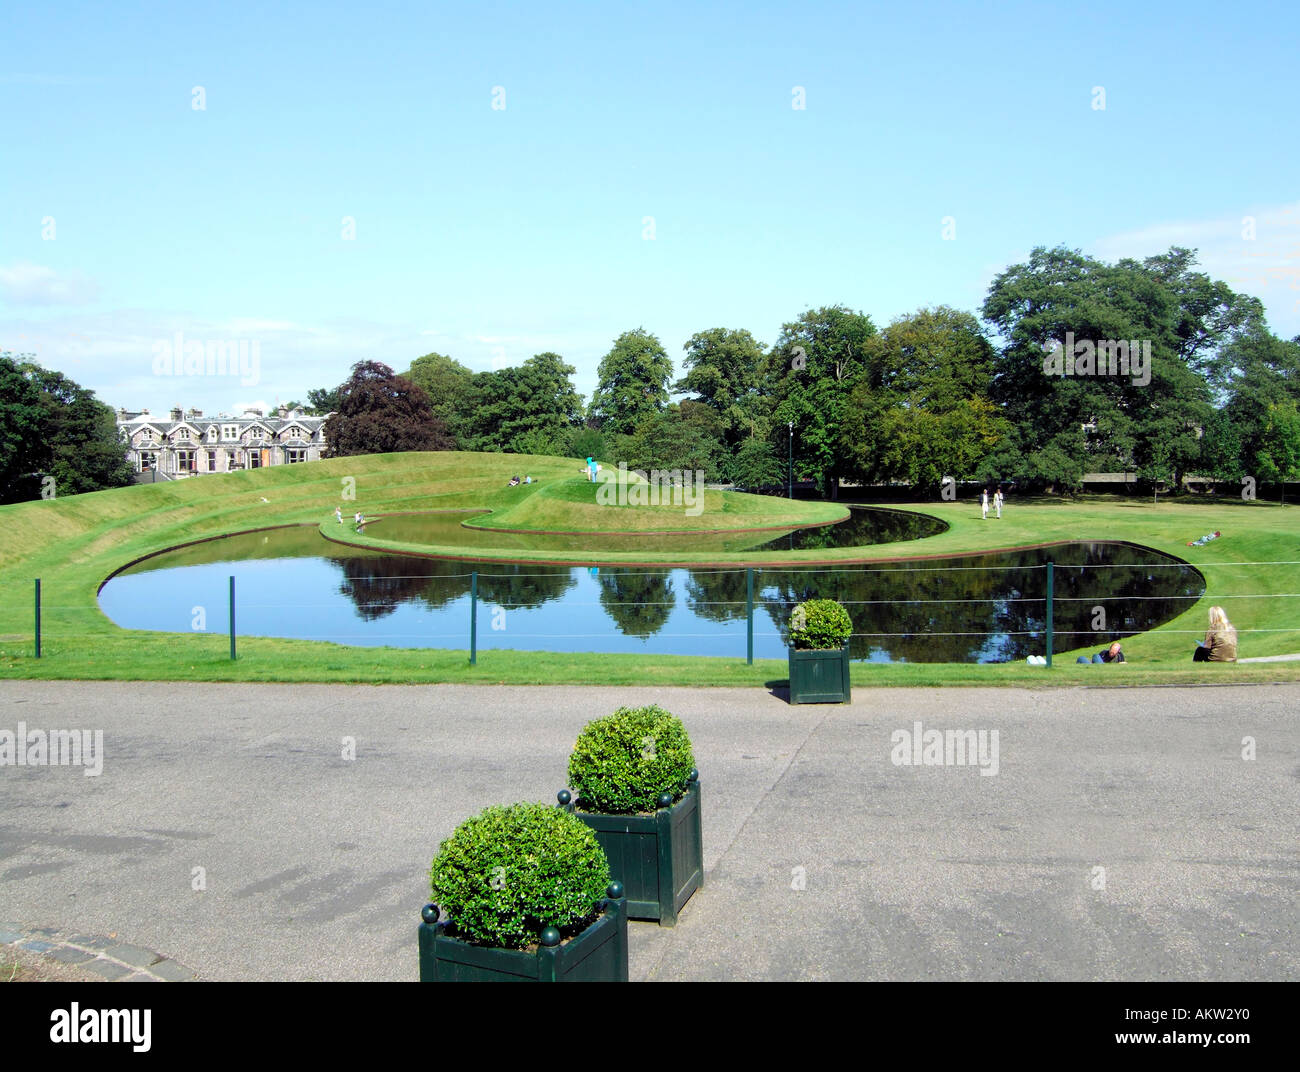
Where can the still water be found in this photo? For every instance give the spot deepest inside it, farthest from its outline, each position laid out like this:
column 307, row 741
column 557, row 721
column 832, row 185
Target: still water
column 449, row 529
column 975, row 608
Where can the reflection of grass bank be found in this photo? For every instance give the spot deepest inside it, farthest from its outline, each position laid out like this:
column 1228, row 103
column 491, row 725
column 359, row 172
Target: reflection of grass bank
column 74, row 543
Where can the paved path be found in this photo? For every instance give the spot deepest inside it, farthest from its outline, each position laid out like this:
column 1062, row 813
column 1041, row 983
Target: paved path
column 96, row 954
column 314, row 866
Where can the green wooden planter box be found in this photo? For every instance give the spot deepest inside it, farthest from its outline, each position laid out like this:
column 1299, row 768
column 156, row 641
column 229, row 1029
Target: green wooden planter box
column 820, row 676
column 659, row 858
column 597, row 955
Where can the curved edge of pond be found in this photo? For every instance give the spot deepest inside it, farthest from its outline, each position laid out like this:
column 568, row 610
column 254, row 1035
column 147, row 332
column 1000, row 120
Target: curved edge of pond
column 447, row 553
column 194, row 543
column 487, row 555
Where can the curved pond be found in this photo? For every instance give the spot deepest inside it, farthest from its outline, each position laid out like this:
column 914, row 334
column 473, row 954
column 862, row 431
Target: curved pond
column 976, row 608
column 448, row 529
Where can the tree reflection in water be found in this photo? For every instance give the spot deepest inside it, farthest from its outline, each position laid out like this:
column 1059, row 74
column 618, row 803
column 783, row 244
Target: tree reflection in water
column 982, row 608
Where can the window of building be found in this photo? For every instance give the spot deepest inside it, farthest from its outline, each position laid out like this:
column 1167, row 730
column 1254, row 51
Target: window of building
column 212, row 460
column 230, row 431
column 291, row 455
column 185, row 461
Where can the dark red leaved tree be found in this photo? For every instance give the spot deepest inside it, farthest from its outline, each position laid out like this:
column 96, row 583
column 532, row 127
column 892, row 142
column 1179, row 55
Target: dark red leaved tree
column 380, row 412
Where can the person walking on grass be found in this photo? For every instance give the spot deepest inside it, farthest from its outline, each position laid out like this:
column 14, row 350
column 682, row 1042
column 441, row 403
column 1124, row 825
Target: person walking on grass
column 338, row 513
column 984, row 504
column 1220, row 641
column 997, row 502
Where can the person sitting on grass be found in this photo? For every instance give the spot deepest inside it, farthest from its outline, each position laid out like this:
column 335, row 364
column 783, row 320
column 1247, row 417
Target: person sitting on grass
column 1113, row 654
column 1220, row 641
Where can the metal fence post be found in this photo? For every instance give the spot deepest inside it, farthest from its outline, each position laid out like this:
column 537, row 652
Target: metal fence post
column 749, row 616
column 473, row 617
column 38, row 617
column 232, row 617
column 1049, row 614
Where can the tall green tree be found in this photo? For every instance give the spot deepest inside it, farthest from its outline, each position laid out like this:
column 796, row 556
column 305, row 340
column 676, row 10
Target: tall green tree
column 21, row 450
column 722, row 371
column 632, row 383
column 527, row 409
column 754, row 466
column 1210, row 317
column 322, row 401
column 1257, row 372
column 1147, row 419
column 928, row 415
column 810, row 375
column 449, row 385
column 1221, row 448
column 684, row 436
column 56, row 437
column 380, row 412
column 1278, row 460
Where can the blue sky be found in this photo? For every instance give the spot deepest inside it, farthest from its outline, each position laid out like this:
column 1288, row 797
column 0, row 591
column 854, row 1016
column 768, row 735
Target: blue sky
column 128, row 215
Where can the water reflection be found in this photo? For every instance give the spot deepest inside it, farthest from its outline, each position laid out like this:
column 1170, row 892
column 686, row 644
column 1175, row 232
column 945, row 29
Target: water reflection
column 978, row 608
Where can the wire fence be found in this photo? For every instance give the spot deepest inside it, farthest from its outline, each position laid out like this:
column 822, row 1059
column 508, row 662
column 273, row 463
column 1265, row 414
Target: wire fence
column 1016, row 609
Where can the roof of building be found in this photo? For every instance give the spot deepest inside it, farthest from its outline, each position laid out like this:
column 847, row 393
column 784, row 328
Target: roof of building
column 166, row 424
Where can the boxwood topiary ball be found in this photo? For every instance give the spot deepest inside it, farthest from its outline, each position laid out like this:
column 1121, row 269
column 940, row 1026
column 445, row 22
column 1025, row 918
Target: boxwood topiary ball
column 818, row 624
column 623, row 763
column 509, row 873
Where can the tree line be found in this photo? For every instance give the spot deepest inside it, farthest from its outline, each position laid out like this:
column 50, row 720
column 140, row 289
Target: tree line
column 1202, row 386
column 937, row 393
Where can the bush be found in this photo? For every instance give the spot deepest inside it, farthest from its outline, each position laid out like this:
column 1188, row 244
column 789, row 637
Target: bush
column 623, row 763
column 509, row 872
column 818, row 624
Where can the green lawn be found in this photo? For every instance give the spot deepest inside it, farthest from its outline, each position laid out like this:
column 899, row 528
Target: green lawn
column 74, row 543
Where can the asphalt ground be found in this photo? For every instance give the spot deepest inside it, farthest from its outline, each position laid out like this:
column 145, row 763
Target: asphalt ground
column 1124, row 835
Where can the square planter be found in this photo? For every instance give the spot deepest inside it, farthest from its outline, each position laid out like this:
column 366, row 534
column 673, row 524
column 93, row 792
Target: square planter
column 658, row 858
column 597, row 955
column 820, row 676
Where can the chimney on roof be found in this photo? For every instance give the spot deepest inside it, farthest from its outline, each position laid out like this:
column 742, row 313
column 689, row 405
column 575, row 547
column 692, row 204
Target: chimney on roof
column 176, row 413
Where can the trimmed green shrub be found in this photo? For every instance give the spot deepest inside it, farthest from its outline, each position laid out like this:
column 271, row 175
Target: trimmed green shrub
column 623, row 763
column 509, row 872
column 817, row 624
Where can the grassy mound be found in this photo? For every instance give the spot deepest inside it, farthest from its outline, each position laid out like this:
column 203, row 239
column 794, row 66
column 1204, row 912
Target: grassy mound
column 575, row 505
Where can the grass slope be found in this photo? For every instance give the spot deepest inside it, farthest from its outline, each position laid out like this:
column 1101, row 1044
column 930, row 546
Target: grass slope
column 74, row 543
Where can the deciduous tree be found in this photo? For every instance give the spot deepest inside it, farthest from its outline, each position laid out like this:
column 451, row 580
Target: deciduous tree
column 632, row 383
column 380, row 412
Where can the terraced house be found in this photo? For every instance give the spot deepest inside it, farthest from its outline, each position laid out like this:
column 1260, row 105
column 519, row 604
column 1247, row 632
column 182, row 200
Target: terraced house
column 188, row 444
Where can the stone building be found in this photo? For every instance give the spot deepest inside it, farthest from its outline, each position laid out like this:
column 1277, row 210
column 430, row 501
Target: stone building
column 188, row 444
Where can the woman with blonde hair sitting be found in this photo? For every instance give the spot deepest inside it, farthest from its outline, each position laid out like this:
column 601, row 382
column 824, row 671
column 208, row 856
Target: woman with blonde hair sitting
column 1220, row 642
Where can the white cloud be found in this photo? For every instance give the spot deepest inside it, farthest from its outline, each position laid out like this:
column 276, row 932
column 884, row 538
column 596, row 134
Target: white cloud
column 35, row 284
